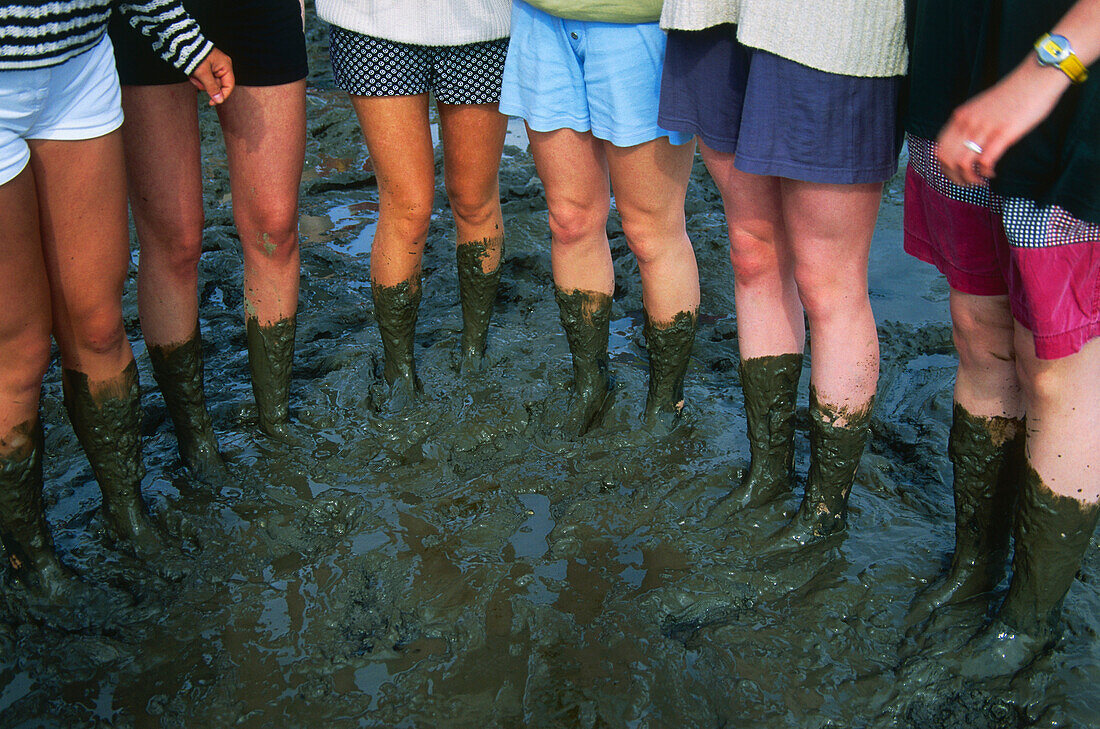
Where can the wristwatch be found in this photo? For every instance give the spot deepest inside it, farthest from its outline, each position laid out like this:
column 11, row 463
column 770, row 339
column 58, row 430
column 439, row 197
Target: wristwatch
column 1055, row 50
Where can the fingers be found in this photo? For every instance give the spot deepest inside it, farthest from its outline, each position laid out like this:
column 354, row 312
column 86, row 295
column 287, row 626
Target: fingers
column 214, row 75
column 967, row 151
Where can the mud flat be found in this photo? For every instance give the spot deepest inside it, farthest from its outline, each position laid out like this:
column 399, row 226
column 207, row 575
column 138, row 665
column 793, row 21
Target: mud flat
column 458, row 564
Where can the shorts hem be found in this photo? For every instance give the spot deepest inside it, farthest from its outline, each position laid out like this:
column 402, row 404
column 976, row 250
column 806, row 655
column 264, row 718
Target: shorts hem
column 962, row 281
column 618, row 138
column 820, row 175
column 1060, row 344
column 725, row 145
column 78, row 134
column 22, row 165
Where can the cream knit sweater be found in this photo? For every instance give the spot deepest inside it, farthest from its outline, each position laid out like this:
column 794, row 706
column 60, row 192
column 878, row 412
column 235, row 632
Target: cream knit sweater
column 698, row 14
column 848, row 37
column 421, row 22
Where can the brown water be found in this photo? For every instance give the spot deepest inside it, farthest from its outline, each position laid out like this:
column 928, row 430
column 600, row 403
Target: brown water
column 458, row 564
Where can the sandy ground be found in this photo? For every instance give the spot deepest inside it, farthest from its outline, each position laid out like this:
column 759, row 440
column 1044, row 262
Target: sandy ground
column 458, row 564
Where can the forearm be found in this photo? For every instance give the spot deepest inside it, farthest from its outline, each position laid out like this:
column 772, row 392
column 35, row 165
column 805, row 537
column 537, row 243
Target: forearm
column 1081, row 25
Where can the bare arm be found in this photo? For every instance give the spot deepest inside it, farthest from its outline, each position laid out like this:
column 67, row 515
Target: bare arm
column 998, row 118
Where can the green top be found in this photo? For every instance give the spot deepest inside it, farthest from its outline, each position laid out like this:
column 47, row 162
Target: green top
column 959, row 48
column 604, row 11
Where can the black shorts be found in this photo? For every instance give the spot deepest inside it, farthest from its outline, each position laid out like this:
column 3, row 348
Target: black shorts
column 466, row 74
column 263, row 38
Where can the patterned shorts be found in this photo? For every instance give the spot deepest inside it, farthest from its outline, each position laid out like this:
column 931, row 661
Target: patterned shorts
column 367, row 66
column 1045, row 260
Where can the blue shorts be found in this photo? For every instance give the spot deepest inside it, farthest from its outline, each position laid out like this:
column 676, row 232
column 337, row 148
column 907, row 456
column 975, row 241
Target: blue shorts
column 779, row 117
column 575, row 74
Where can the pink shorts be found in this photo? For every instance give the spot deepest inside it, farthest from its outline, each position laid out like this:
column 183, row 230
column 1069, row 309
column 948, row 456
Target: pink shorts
column 1044, row 259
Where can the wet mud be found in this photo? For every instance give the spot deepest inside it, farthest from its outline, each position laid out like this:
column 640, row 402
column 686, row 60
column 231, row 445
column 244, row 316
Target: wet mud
column 460, row 563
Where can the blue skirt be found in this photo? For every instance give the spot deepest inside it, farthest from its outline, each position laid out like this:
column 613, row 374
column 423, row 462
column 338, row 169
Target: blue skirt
column 779, row 117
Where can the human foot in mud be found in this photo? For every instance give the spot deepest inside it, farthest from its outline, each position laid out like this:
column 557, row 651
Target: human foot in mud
column 1052, row 534
column 669, row 346
column 770, row 388
column 270, row 354
column 179, row 373
column 395, row 309
column 837, row 439
column 477, row 289
column 108, row 426
column 586, row 318
column 987, row 457
column 43, row 587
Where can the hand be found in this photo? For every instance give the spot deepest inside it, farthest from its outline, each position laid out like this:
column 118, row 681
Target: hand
column 996, row 119
column 214, row 75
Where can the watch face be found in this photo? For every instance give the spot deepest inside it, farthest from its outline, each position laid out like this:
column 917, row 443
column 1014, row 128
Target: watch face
column 1053, row 50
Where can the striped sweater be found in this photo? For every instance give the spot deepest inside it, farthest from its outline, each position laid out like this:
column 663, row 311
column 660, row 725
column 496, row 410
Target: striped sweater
column 41, row 33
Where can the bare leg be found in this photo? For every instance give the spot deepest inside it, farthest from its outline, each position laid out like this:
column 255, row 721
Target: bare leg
column 1063, row 397
column 82, row 207
column 771, row 330
column 1059, row 506
column 473, row 140
column 161, row 137
column 829, row 228
column 650, row 183
column 163, row 168
column 399, row 141
column 985, row 447
column 574, row 171
column 24, row 356
column 25, row 326
column 264, row 130
column 770, row 320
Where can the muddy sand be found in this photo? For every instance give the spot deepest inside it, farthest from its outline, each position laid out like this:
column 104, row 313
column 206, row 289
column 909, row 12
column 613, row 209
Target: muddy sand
column 459, row 564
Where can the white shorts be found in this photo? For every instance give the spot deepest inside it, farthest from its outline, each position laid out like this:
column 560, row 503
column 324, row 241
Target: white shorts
column 76, row 99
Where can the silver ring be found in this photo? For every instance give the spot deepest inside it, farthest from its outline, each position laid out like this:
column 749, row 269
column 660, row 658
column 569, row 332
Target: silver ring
column 973, row 147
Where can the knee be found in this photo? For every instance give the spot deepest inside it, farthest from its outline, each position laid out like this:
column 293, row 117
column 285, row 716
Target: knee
column 473, row 208
column 652, row 238
column 752, row 255
column 271, row 234
column 572, row 224
column 826, row 294
column 408, row 217
column 98, row 332
column 176, row 245
column 983, row 340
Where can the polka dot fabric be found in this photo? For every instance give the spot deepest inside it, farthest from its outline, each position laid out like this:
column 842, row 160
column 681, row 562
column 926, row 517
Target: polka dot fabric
column 367, row 66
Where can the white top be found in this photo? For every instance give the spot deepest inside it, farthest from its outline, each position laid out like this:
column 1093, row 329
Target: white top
column 847, row 37
column 421, row 22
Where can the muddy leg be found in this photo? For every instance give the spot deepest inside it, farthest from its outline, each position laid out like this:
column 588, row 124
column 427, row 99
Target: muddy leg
column 395, row 308
column 835, row 452
column 1052, row 535
column 108, row 427
column 770, row 388
column 23, row 529
column 586, row 318
column 179, row 373
column 987, row 455
column 270, row 355
column 478, row 291
column 669, row 348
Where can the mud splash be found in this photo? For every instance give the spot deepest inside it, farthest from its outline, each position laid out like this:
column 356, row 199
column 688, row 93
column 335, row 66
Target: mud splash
column 460, row 564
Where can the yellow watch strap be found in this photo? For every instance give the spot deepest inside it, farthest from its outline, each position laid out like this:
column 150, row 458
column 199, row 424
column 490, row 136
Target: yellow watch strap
column 1073, row 68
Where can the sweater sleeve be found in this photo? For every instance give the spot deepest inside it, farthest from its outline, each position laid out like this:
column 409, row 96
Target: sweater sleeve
column 175, row 35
